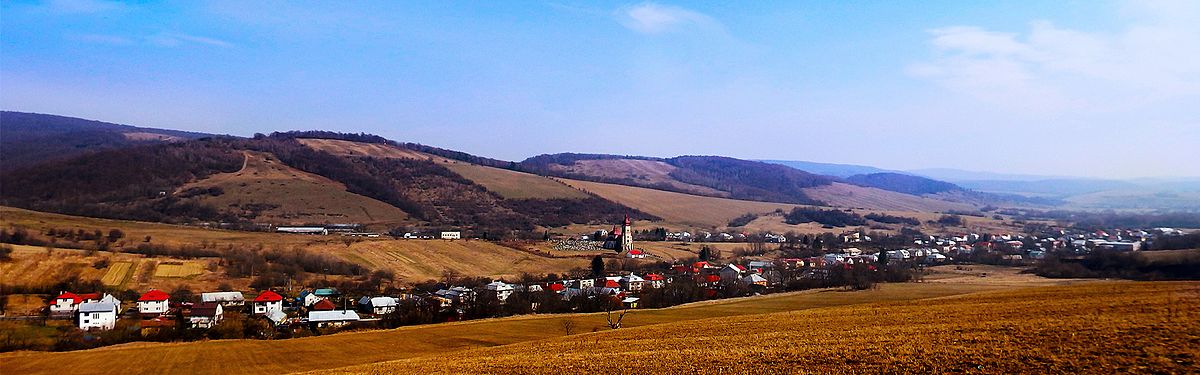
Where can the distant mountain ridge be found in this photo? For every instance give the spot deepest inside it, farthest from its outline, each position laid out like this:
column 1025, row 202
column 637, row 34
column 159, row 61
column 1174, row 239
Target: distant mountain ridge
column 830, row 169
column 31, row 138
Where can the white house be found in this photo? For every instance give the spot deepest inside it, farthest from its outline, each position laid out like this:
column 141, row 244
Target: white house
column 224, row 298
column 99, row 315
column 332, row 318
column 379, row 305
column 206, row 315
column 732, row 272
column 502, row 289
column 754, row 279
column 303, row 230
column 267, row 301
column 632, row 282
column 635, row 254
column 451, row 235
column 154, row 302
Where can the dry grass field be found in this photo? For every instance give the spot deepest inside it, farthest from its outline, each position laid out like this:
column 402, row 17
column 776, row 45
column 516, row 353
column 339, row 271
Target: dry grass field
column 116, row 273
column 678, row 208
column 33, row 267
column 441, row 341
column 178, row 269
column 420, row 260
column 297, row 197
column 1089, row 328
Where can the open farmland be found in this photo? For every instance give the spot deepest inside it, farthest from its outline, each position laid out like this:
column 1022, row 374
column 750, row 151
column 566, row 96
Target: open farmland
column 678, row 208
column 32, row 267
column 420, row 260
column 437, row 341
column 1089, row 328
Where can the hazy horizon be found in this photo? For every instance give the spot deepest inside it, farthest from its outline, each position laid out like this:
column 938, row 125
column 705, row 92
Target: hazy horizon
column 1087, row 89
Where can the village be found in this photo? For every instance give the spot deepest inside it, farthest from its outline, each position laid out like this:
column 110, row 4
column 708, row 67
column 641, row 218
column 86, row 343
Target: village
column 802, row 262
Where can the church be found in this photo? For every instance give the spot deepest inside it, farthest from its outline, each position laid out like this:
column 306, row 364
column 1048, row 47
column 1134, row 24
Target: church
column 621, row 238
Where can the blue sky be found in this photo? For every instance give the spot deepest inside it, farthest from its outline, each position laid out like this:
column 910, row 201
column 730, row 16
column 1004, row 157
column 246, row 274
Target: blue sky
column 1085, row 88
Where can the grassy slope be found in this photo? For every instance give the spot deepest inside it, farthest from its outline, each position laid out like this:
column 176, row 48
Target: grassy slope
column 678, row 208
column 315, row 353
column 648, row 172
column 1091, row 328
column 300, row 197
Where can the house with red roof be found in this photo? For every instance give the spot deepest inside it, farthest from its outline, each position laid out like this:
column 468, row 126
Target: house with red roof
column 205, row 314
column 65, row 304
column 68, row 303
column 654, row 280
column 266, row 302
column 635, row 254
column 154, row 302
column 323, row 305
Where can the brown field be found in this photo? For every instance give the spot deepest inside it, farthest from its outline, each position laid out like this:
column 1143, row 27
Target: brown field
column 440, row 341
column 32, row 267
column 178, row 269
column 117, row 273
column 678, row 208
column 420, row 260
column 299, row 197
column 1090, row 328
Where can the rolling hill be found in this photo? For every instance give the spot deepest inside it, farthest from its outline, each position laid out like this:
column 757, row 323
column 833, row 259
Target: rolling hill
column 324, row 177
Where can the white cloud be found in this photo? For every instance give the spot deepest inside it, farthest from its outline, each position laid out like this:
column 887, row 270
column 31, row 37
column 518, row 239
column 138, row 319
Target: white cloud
column 651, row 18
column 1154, row 58
column 176, row 39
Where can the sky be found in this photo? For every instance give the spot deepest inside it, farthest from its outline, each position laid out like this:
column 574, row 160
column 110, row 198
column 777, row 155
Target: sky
column 1066, row 88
